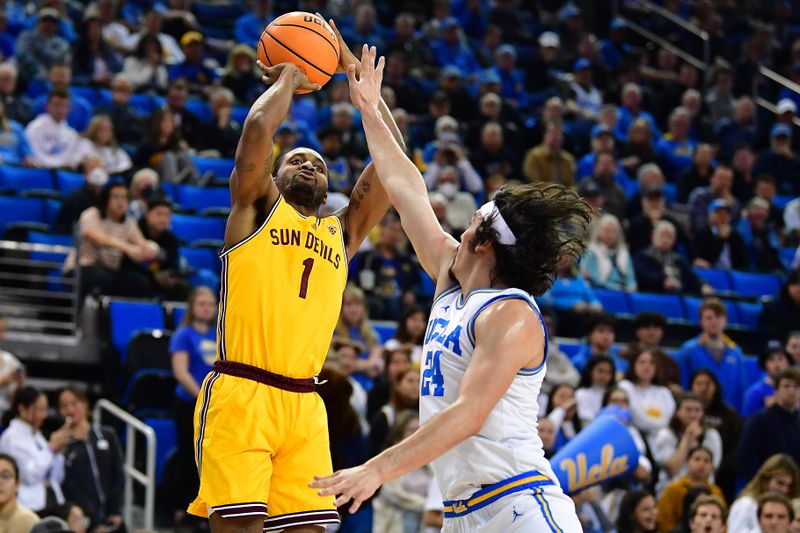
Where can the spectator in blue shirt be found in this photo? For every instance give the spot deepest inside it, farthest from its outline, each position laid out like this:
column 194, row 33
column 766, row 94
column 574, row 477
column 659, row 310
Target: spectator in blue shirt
column 198, row 71
column 365, row 29
column 773, row 360
column 614, row 49
column 759, row 236
column 505, row 59
column 250, row 26
column 631, row 109
column 715, row 351
column 449, row 49
column 41, row 47
column 600, row 338
column 194, row 349
column 570, row 290
column 6, row 40
column 674, row 151
column 738, row 130
column 780, row 161
column 14, row 149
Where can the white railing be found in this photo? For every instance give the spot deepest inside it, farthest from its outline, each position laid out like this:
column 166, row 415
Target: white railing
column 146, row 478
column 780, row 80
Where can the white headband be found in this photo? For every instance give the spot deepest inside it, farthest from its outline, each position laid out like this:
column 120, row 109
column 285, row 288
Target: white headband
column 498, row 223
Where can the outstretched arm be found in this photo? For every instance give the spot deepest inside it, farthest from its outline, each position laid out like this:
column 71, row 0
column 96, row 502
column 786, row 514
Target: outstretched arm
column 400, row 178
column 251, row 176
column 507, row 333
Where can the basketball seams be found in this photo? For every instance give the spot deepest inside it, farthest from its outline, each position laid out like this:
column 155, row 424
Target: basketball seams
column 335, row 49
column 299, row 56
column 262, row 45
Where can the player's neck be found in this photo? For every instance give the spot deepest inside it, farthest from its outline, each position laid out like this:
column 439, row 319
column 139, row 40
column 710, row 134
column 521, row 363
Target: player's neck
column 477, row 277
column 303, row 210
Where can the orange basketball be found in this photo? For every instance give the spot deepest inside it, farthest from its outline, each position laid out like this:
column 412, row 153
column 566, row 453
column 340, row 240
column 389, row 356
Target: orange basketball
column 303, row 39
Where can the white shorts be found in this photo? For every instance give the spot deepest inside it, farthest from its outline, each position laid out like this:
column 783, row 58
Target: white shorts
column 542, row 509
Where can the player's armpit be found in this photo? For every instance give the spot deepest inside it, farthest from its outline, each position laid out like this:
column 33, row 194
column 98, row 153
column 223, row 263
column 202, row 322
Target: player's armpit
column 508, row 337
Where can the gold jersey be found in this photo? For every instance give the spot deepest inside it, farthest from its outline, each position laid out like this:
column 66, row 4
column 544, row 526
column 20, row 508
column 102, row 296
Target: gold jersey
column 282, row 293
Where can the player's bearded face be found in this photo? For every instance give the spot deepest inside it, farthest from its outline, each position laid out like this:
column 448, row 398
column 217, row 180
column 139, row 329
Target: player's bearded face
column 297, row 187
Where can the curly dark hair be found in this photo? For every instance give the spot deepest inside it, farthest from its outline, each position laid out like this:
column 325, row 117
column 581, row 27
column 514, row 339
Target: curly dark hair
column 549, row 222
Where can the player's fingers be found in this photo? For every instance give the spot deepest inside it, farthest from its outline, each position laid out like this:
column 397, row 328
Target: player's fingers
column 351, row 74
column 261, row 65
column 379, row 69
column 355, row 505
column 341, row 500
column 372, row 53
column 364, row 57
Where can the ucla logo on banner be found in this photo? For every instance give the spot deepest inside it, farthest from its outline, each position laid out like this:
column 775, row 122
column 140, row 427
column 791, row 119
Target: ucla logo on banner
column 581, row 475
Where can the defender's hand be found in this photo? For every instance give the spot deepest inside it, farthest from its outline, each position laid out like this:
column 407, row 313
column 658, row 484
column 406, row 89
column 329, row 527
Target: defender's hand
column 357, row 483
column 346, row 56
column 365, row 87
column 271, row 75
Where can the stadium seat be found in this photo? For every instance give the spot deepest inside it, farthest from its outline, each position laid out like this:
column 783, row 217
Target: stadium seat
column 718, row 279
column 570, row 348
column 128, row 317
column 14, row 210
column 752, row 371
column 756, row 285
column 166, row 442
column 190, row 228
column 670, row 193
column 66, row 181
column 669, row 305
column 177, row 315
column 780, row 202
column 200, row 109
column 149, row 349
column 36, row 237
column 788, row 255
column 199, row 258
column 220, row 168
column 144, row 104
column 384, row 329
column 749, row 313
column 20, row 179
column 51, row 207
column 427, row 285
column 199, row 198
column 614, row 302
column 239, row 113
column 150, row 392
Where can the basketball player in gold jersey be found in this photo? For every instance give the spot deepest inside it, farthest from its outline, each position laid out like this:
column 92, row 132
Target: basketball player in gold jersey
column 260, row 429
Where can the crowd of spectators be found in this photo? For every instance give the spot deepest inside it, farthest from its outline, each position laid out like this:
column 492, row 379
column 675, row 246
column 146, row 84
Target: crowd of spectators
column 684, row 170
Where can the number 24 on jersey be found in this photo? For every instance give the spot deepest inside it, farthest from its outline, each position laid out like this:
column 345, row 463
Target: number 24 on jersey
column 432, row 375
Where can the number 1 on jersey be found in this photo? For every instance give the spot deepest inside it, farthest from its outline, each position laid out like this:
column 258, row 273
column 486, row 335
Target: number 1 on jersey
column 308, row 264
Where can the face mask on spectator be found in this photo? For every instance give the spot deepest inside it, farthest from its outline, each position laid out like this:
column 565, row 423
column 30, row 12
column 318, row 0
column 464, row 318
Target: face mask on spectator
column 447, row 189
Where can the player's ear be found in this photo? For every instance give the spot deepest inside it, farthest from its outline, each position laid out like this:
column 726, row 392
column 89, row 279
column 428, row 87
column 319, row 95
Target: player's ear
column 484, row 247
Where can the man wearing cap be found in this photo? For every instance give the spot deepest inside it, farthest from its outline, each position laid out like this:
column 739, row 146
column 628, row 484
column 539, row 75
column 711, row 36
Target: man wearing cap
column 760, row 238
column 545, row 65
column 780, row 161
column 196, row 69
column 41, row 47
column 614, row 49
column 505, row 58
column 772, row 360
column 451, row 82
column 585, row 98
column 718, row 244
column 719, row 187
column 449, row 50
column 602, row 141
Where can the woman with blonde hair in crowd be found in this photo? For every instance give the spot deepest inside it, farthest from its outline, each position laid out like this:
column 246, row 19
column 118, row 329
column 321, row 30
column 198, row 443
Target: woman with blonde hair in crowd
column 354, row 325
column 99, row 140
column 608, row 263
column 779, row 474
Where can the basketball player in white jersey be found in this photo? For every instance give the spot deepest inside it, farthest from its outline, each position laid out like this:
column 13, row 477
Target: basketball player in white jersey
column 485, row 349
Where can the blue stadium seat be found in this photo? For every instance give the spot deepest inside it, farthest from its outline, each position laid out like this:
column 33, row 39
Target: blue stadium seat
column 36, row 237
column 384, row 329
column 177, row 315
column 128, row 317
column 692, row 308
column 166, row 441
column 220, row 168
column 200, row 109
column 757, row 285
column 614, row 302
column 66, row 181
column 669, row 305
column 20, row 179
column 50, row 207
column 199, row 198
column 570, row 348
column 239, row 113
column 13, row 209
column 780, row 201
column 719, row 279
column 304, row 109
column 200, row 258
column 749, row 313
column 752, row 371
column 144, row 104
column 671, row 193
column 194, row 228
column 427, row 285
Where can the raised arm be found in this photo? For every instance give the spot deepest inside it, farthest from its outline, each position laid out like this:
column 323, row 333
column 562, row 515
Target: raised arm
column 251, row 176
column 400, row 178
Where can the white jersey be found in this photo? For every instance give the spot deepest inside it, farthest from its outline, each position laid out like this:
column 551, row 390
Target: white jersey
column 508, row 444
